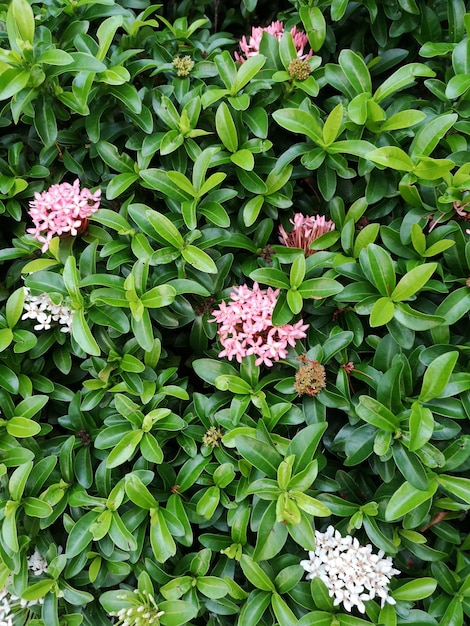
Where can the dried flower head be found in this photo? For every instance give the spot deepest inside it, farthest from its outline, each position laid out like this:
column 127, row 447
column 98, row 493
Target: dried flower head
column 310, row 378
column 63, row 209
column 46, row 312
column 305, row 231
column 139, row 610
column 250, row 47
column 351, row 572
column 212, row 436
column 184, row 65
column 299, row 69
column 246, row 327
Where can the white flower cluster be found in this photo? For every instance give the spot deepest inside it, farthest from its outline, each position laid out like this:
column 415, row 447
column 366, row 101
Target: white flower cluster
column 351, row 572
column 6, row 616
column 11, row 605
column 143, row 612
column 37, row 563
column 42, row 309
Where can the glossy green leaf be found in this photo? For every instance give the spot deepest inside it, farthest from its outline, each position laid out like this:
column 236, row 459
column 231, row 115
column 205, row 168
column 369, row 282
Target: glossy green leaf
column 437, row 375
column 407, row 498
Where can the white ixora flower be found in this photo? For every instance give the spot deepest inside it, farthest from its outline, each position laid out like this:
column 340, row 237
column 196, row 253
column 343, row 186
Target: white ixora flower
column 46, row 312
column 12, row 608
column 141, row 611
column 37, row 563
column 351, row 572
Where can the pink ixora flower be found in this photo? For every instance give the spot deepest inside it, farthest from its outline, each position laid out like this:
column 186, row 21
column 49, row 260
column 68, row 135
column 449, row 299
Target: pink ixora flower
column 305, row 231
column 246, row 327
column 250, row 47
column 63, row 209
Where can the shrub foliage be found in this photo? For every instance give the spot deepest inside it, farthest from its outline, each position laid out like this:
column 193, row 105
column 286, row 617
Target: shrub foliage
column 139, row 467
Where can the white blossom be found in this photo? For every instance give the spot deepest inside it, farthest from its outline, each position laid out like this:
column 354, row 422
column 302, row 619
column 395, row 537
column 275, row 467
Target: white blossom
column 37, row 563
column 351, row 572
column 142, row 612
column 46, row 312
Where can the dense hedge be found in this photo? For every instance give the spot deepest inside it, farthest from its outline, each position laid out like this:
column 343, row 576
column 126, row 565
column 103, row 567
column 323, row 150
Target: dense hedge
column 234, row 339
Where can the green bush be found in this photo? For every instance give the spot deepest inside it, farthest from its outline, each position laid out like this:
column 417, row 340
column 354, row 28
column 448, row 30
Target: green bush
column 146, row 472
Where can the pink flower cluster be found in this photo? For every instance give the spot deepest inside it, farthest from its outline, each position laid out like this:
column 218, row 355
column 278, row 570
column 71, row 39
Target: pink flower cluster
column 305, row 231
column 246, row 327
column 250, row 46
column 63, row 209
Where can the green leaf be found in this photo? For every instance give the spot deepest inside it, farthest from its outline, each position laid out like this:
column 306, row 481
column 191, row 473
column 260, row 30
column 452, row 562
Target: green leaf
column 18, row 480
column 415, row 589
column 402, row 78
column 375, row 413
column 319, row 288
column 409, row 466
column 382, row 312
column 315, row 25
column 246, row 72
column 252, row 209
column 82, row 334
column 421, row 426
column 138, row 492
column 125, row 449
column 403, row 119
column 199, row 259
column 176, row 612
column 270, row 276
column 332, row 126
column 161, row 540
column 158, row 297
column 437, row 375
column 377, row 264
column 299, row 121
column 457, row 86
column 119, row 184
column 22, row 427
column 455, row 306
column 428, row 136
column 260, row 454
column 13, row 81
column 256, row 576
column 14, row 307
column 244, row 159
column 407, row 498
column 20, row 24
column 356, row 71
column 271, row 536
column 166, row 229
column 9, row 380
column 456, row 485
column 284, row 615
column 413, row 281
column 392, row 157
column 111, row 219
column 226, row 128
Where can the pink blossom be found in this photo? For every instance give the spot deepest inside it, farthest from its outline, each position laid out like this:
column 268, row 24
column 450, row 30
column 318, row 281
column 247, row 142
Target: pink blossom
column 250, row 47
column 63, row 209
column 305, row 231
column 246, row 327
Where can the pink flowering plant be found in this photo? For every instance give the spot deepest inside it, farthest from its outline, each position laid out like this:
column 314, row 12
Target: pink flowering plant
column 62, row 210
column 245, row 326
column 234, row 298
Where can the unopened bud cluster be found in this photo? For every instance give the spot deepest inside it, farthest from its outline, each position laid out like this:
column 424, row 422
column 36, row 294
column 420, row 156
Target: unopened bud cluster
column 299, row 69
column 183, row 65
